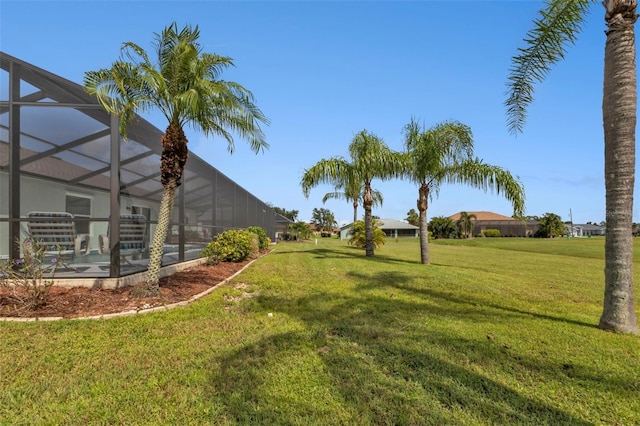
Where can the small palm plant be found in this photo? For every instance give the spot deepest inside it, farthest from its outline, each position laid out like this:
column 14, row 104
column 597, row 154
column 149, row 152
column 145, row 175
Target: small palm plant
column 358, row 235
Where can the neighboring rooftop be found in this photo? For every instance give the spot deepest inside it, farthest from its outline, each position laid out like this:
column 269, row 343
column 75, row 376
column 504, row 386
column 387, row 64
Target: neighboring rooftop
column 388, row 224
column 483, row 216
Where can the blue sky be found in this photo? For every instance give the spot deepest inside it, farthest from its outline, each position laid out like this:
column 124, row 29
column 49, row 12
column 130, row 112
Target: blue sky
column 323, row 71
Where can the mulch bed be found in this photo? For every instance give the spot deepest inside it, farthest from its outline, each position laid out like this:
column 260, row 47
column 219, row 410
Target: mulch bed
column 83, row 302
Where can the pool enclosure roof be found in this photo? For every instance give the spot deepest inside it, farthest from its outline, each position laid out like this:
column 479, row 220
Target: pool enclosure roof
column 79, row 154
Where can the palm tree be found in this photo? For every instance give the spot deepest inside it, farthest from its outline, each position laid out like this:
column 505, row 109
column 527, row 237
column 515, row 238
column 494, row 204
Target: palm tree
column 465, row 223
column 353, row 191
column 371, row 159
column 559, row 25
column 442, row 227
column 183, row 83
column 443, row 154
column 324, row 220
column 412, row 217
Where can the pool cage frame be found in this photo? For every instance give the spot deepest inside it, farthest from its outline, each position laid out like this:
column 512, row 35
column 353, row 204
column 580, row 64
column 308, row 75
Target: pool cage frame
column 55, row 139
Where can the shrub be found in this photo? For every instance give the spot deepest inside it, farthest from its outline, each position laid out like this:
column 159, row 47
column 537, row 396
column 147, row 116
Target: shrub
column 234, row 245
column 358, row 238
column 263, row 239
column 212, row 253
column 492, row 233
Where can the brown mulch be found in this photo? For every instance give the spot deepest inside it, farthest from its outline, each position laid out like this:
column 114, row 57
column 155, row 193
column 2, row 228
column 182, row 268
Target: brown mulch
column 83, row 302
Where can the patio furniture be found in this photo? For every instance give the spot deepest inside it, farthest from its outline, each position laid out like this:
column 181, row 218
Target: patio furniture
column 57, row 232
column 133, row 237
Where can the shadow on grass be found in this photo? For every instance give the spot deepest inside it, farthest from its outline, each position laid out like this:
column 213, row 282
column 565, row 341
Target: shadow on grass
column 377, row 369
column 347, row 252
column 403, row 282
column 475, row 302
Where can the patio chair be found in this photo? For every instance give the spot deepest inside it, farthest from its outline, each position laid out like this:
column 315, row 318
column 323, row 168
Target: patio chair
column 56, row 231
column 133, row 237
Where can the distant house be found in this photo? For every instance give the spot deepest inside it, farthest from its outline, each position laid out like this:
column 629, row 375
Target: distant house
column 586, row 230
column 507, row 226
column 318, row 231
column 391, row 227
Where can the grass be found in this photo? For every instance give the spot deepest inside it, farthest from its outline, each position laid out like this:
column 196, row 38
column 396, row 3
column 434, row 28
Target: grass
column 495, row 331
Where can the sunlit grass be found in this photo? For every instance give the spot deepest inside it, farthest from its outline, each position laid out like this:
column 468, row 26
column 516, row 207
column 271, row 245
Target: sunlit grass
column 495, row 331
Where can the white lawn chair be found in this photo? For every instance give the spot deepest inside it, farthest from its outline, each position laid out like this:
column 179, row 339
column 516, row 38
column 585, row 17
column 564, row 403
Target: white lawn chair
column 133, row 237
column 56, row 231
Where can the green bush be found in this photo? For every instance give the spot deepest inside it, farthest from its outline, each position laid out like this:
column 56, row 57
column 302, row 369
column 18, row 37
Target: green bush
column 492, row 233
column 358, row 237
column 234, row 245
column 263, row 239
column 212, row 253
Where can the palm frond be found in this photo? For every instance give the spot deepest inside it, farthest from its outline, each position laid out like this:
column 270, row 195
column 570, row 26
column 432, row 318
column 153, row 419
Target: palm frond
column 558, row 25
column 330, row 170
column 487, row 177
column 431, row 150
column 183, row 83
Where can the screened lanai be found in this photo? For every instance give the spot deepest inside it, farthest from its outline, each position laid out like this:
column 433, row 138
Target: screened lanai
column 64, row 169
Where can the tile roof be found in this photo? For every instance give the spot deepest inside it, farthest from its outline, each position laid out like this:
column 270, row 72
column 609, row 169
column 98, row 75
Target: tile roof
column 483, row 216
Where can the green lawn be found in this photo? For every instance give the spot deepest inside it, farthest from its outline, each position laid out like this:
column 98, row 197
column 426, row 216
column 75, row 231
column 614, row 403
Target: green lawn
column 495, row 331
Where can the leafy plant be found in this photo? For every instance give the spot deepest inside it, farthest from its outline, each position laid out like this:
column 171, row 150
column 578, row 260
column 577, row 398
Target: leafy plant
column 212, row 253
column 263, row 238
column 358, row 238
column 24, row 277
column 442, row 227
column 234, row 245
column 300, row 230
column 492, row 233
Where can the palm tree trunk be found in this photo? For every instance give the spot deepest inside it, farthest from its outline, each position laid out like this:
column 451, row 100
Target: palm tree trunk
column 423, row 197
column 619, row 119
column 368, row 219
column 152, row 286
column 172, row 162
column 355, row 211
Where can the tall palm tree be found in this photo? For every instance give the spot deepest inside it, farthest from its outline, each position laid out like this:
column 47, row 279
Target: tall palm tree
column 444, row 154
column 371, row 159
column 558, row 26
column 465, row 223
column 353, row 192
column 183, row 83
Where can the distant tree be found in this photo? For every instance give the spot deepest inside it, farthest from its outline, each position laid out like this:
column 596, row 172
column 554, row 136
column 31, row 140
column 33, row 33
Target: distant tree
column 465, row 224
column 442, row 227
column 412, row 217
column 301, row 230
column 371, row 159
column 289, row 214
column 324, row 220
column 358, row 237
column 550, row 225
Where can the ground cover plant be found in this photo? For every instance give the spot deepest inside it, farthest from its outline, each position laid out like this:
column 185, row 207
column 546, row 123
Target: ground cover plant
column 495, row 331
